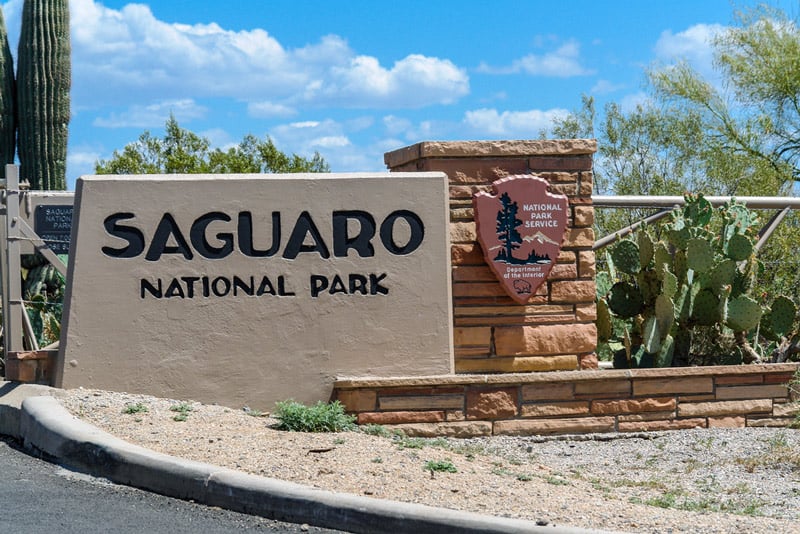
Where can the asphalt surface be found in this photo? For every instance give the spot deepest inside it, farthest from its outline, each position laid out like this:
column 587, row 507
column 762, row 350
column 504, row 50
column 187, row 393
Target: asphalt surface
column 42, row 425
column 40, row 497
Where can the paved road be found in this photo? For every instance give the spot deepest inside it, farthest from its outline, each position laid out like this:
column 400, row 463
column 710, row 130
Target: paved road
column 39, row 497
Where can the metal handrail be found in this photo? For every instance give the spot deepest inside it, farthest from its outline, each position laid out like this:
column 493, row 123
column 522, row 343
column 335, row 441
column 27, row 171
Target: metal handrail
column 640, row 201
column 669, row 203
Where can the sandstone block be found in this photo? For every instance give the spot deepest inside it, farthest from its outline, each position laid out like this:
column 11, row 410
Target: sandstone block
column 519, row 364
column 629, row 406
column 727, row 422
column 588, row 361
column 654, row 426
column 564, row 189
column 545, row 391
column 555, row 177
column 463, row 232
column 545, row 339
column 466, row 254
column 702, row 384
column 454, row 415
column 777, row 422
column 584, row 216
column 579, row 237
column 546, row 163
column 586, row 312
column 752, row 392
column 778, row 378
column 563, row 271
column 393, row 418
column 532, row 427
column 573, row 291
column 566, row 256
column 646, row 416
column 739, row 380
column 476, row 171
column 709, row 409
column 421, row 402
column 479, row 273
column 604, row 388
column 470, row 336
column 789, row 409
column 358, row 400
column 586, row 264
column 490, row 404
column 455, row 429
column 478, row 289
column 555, row 409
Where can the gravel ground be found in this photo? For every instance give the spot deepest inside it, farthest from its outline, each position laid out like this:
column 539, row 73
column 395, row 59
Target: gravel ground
column 698, row 481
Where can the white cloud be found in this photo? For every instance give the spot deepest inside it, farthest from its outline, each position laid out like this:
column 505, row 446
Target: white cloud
column 564, row 62
column 130, row 55
column 414, row 81
column 81, row 161
column 152, row 115
column 605, row 86
column 266, row 110
column 692, row 45
column 512, row 124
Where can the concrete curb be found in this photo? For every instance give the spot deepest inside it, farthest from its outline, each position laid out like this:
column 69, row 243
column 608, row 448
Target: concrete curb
column 45, row 426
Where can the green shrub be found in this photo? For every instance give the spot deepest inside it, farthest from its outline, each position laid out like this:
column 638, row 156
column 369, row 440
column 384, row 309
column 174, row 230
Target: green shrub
column 321, row 417
column 441, row 466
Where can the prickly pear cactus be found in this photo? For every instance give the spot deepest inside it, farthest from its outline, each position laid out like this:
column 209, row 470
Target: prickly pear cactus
column 684, row 298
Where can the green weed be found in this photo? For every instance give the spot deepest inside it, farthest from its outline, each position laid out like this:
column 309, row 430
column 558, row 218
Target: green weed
column 321, row 417
column 135, row 408
column 183, row 410
column 440, row 466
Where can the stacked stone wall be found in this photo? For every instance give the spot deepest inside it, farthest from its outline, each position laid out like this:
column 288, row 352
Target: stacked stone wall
column 555, row 330
column 577, row 402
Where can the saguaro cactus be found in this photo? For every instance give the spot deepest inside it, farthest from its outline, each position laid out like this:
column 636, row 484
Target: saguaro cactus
column 43, row 83
column 8, row 124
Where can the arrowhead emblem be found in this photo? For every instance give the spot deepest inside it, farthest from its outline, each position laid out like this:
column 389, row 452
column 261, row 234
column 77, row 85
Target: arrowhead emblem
column 520, row 227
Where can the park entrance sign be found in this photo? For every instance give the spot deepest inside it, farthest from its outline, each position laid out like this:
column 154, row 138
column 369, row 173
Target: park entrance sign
column 521, row 227
column 249, row 289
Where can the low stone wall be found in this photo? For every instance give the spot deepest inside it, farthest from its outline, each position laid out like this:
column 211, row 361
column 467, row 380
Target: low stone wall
column 576, row 402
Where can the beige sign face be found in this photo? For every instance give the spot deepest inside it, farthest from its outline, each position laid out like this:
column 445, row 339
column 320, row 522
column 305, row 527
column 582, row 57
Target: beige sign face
column 250, row 289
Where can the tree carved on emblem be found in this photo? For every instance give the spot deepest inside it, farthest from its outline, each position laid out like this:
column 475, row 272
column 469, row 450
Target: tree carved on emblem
column 507, row 224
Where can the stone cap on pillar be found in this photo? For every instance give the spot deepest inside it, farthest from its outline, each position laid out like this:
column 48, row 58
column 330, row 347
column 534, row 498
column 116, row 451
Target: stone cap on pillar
column 473, row 149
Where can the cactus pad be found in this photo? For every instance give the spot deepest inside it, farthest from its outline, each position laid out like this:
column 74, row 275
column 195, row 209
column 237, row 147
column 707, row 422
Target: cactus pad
column 705, row 308
column 604, row 325
column 603, row 284
column 646, row 248
column 782, row 315
column 669, row 284
column 723, row 274
column 679, row 238
column 662, row 257
column 651, row 336
column 698, row 210
column 743, row 314
column 626, row 256
column 625, row 299
column 739, row 247
column 699, row 255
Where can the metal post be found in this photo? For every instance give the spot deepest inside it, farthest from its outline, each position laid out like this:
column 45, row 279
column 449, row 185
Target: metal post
column 13, row 309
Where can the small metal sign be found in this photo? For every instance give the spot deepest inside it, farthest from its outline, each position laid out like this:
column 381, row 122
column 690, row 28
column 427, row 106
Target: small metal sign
column 521, row 227
column 53, row 223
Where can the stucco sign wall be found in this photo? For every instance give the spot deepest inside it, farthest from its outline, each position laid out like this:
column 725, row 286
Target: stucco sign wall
column 248, row 289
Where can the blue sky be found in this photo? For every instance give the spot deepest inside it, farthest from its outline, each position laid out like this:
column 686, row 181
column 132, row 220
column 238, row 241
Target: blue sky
column 354, row 79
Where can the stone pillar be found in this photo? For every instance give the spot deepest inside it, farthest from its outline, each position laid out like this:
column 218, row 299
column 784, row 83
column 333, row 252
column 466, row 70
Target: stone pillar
column 555, row 330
